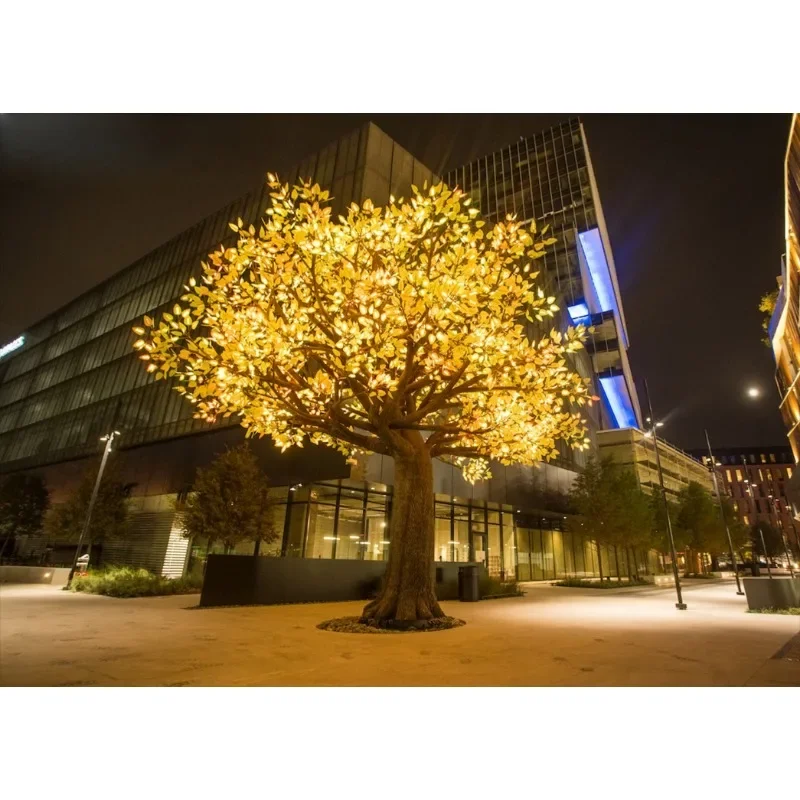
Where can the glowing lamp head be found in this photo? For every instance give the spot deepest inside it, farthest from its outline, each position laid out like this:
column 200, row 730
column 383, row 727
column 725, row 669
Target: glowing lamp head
column 754, row 391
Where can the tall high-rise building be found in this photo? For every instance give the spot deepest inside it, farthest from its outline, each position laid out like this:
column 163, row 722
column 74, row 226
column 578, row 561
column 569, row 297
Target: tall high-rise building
column 784, row 330
column 549, row 178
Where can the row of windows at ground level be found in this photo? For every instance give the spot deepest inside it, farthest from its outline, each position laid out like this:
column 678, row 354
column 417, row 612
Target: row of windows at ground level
column 349, row 520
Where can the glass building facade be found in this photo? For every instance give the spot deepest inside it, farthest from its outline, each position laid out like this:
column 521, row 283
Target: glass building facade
column 549, row 178
column 74, row 376
column 349, row 519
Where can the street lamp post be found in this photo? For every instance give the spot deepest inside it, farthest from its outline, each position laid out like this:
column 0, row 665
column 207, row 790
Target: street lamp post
column 779, row 527
column 108, row 439
column 722, row 514
column 749, row 487
column 680, row 605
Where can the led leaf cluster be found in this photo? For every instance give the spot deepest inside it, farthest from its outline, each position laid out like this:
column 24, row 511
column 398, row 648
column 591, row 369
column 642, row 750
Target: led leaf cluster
column 354, row 331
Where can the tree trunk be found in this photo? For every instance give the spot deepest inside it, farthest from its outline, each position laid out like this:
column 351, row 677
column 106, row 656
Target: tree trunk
column 616, row 562
column 407, row 593
column 599, row 561
column 257, row 547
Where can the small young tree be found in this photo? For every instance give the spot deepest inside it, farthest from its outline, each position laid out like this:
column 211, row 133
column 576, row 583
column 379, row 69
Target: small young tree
column 699, row 520
column 635, row 520
column 24, row 499
column 230, row 502
column 612, row 507
column 110, row 517
column 718, row 538
column 659, row 533
column 772, row 539
column 398, row 330
column 593, row 498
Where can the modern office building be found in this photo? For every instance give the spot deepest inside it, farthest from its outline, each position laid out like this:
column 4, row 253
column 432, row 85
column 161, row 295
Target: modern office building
column 634, row 448
column 756, row 478
column 549, row 178
column 74, row 376
column 784, row 331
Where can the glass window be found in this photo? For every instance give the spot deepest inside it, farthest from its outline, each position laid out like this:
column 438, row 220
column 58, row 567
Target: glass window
column 559, row 563
column 523, row 554
column 509, row 547
column 537, row 556
column 494, row 562
column 443, row 546
column 349, row 531
column 461, row 533
column 320, row 531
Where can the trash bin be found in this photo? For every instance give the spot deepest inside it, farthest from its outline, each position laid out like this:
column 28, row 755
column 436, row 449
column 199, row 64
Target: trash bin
column 468, row 586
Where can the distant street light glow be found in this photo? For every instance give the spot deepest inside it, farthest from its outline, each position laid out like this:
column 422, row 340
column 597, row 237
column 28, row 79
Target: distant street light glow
column 754, row 391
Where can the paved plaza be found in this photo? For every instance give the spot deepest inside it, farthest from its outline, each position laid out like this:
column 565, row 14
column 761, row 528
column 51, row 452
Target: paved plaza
column 550, row 637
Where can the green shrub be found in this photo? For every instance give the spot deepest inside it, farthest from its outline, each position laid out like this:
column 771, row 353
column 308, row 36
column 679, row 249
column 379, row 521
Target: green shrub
column 703, row 575
column 792, row 612
column 133, row 582
column 583, row 583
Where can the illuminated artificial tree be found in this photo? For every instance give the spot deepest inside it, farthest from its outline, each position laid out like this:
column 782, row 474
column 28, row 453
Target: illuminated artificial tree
column 398, row 330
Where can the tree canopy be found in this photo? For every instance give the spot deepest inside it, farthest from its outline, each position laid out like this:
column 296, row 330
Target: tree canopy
column 24, row 499
column 613, row 508
column 660, row 532
column 699, row 522
column 352, row 332
column 773, row 540
column 740, row 533
column 767, row 307
column 110, row 517
column 230, row 501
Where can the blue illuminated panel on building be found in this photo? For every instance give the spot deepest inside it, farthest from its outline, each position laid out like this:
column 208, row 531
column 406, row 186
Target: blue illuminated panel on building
column 578, row 313
column 618, row 399
column 595, row 254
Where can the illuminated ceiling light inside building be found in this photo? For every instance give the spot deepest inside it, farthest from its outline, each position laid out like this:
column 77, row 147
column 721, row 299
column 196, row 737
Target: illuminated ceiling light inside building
column 12, row 346
column 595, row 255
column 618, row 400
column 578, row 313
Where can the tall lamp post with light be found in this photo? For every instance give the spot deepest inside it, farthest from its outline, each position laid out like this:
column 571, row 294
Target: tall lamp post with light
column 713, row 466
column 779, row 527
column 749, row 489
column 680, row 605
column 108, row 439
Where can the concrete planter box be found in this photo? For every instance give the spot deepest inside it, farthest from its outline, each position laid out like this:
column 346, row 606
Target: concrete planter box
column 260, row 580
column 57, row 576
column 772, row 593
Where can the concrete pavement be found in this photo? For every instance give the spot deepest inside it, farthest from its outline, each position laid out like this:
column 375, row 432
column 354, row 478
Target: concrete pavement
column 551, row 637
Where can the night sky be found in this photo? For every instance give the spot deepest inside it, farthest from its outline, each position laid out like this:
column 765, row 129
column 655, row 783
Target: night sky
column 694, row 207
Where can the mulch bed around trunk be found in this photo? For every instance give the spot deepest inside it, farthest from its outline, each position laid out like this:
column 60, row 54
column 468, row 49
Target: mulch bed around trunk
column 355, row 625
